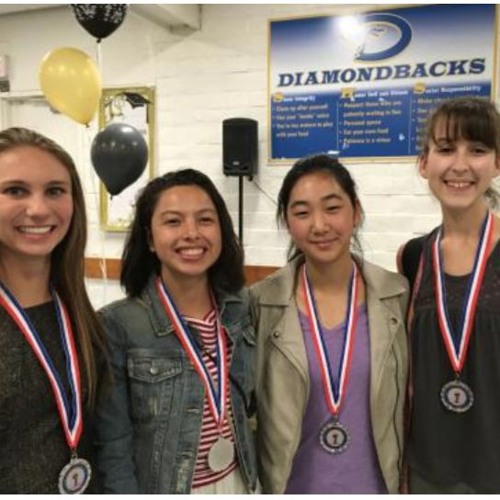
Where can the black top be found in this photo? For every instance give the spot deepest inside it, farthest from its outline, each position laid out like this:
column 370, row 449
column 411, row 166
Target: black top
column 445, row 447
column 33, row 449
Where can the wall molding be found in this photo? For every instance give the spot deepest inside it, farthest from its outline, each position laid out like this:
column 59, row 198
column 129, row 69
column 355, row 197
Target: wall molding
column 99, row 268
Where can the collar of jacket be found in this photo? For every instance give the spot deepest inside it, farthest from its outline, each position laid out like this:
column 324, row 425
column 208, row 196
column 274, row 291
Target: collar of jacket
column 383, row 289
column 159, row 319
column 279, row 287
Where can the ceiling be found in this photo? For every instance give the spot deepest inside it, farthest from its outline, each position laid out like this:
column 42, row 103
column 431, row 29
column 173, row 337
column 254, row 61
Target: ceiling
column 167, row 15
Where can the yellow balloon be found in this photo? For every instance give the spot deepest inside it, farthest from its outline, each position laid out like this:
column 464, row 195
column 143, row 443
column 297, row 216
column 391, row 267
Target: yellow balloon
column 71, row 83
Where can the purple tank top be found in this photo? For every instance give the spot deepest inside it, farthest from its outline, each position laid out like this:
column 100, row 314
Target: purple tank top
column 356, row 469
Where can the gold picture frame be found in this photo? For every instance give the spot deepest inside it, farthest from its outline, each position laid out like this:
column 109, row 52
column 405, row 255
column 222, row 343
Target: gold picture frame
column 134, row 106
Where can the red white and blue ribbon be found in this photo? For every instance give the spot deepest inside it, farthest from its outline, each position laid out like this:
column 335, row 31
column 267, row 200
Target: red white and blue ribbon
column 457, row 345
column 216, row 395
column 334, row 394
column 70, row 412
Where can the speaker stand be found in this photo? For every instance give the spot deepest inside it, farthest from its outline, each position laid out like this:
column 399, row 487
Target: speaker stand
column 240, row 209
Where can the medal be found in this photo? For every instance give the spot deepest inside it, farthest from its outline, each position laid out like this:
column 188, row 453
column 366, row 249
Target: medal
column 221, row 454
column 333, row 437
column 457, row 396
column 75, row 477
column 78, row 471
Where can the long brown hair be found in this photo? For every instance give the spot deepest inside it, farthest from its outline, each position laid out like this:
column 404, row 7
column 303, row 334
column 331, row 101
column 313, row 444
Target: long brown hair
column 67, row 270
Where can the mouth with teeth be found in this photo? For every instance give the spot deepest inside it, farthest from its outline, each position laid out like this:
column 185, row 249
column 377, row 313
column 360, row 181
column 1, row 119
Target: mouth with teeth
column 35, row 229
column 191, row 252
column 459, row 184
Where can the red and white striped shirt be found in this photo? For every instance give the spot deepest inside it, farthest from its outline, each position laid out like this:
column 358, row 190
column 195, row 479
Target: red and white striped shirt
column 203, row 475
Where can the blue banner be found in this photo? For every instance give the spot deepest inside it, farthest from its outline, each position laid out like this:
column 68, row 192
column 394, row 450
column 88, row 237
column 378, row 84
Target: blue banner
column 363, row 85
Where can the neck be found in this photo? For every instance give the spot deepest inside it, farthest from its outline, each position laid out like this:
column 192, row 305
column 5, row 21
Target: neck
column 27, row 281
column 191, row 295
column 331, row 276
column 464, row 224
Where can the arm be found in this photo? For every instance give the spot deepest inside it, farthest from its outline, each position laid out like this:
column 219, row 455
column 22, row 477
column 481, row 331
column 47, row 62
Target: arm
column 114, row 429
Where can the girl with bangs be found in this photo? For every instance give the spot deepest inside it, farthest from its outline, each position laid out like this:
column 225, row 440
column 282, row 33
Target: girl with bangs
column 454, row 318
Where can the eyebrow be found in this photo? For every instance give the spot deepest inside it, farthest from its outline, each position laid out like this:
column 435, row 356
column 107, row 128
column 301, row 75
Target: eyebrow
column 328, row 197
column 22, row 182
column 179, row 212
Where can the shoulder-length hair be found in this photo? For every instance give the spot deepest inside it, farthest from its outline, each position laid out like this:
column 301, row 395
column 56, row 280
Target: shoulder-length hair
column 139, row 262
column 67, row 269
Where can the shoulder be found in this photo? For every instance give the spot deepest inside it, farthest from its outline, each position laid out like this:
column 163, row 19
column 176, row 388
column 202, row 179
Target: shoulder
column 383, row 282
column 275, row 288
column 121, row 308
column 123, row 315
column 237, row 304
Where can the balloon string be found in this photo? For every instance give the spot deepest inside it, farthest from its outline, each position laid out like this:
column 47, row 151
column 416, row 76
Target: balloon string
column 99, row 57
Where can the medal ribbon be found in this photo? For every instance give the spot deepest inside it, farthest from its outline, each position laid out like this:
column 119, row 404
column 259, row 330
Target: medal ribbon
column 457, row 346
column 70, row 413
column 333, row 395
column 216, row 398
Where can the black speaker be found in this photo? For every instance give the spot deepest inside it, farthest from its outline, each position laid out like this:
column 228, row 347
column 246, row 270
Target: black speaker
column 239, row 146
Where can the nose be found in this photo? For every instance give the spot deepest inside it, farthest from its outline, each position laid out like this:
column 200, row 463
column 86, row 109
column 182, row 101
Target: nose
column 319, row 223
column 191, row 229
column 37, row 206
column 461, row 160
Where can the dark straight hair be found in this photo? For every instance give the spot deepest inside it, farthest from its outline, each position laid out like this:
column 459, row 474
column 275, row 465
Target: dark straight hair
column 311, row 165
column 139, row 262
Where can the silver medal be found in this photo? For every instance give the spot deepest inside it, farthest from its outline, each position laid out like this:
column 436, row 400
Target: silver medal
column 457, row 396
column 75, row 476
column 334, row 437
column 221, row 454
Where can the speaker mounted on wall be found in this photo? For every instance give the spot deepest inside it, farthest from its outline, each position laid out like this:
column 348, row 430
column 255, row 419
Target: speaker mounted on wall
column 240, row 147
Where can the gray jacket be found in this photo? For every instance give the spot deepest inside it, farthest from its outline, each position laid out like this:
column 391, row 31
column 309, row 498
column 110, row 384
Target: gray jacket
column 283, row 374
column 149, row 423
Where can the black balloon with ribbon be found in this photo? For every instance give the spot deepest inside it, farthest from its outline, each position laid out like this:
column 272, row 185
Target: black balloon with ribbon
column 119, row 154
column 100, row 20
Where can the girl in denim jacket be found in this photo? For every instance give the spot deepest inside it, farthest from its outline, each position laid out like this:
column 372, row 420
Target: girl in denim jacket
column 177, row 417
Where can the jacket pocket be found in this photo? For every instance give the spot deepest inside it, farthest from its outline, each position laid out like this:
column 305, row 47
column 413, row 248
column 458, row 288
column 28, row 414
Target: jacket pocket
column 152, row 384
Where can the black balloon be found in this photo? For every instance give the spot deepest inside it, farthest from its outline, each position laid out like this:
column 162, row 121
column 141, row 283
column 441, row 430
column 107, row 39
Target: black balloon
column 119, row 155
column 100, row 20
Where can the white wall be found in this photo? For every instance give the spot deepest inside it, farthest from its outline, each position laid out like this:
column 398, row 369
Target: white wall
column 203, row 77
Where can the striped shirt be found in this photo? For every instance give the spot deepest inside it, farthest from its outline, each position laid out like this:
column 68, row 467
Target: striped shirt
column 203, row 475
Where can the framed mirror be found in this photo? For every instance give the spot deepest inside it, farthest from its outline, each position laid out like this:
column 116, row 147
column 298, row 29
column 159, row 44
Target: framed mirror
column 134, row 106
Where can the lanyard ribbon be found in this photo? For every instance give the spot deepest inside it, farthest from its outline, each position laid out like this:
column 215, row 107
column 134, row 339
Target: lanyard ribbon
column 216, row 395
column 334, row 394
column 457, row 346
column 70, row 412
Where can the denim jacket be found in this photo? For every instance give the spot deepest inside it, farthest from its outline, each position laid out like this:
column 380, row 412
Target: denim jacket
column 149, row 422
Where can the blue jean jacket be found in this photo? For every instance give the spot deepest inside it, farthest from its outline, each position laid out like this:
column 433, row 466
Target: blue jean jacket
column 149, row 420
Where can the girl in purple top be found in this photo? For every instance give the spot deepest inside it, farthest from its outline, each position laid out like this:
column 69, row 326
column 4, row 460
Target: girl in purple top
column 332, row 357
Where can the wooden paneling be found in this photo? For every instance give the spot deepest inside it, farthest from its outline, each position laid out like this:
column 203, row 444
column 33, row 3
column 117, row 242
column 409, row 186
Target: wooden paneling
column 95, row 267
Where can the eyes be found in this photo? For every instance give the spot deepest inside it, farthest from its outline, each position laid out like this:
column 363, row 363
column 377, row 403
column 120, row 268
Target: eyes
column 22, row 191
column 177, row 221
column 303, row 212
column 474, row 148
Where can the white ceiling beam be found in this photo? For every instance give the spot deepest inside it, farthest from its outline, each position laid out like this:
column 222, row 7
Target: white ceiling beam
column 171, row 15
